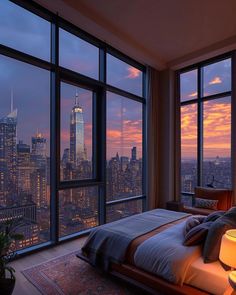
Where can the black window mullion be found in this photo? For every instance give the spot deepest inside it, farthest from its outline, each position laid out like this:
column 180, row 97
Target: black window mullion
column 199, row 129
column 55, row 135
column 102, row 65
column 101, row 123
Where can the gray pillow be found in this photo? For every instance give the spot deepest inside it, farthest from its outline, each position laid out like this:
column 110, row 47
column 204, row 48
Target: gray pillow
column 206, row 203
column 215, row 215
column 193, row 221
column 197, row 234
column 218, row 228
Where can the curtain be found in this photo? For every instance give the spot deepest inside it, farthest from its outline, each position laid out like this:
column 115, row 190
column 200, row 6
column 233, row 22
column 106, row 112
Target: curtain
column 152, row 137
column 163, row 148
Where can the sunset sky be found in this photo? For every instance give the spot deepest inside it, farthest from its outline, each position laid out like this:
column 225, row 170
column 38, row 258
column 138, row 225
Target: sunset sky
column 31, row 86
column 216, row 113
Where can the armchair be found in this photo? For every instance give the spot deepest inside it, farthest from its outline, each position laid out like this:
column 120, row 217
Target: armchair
column 224, row 197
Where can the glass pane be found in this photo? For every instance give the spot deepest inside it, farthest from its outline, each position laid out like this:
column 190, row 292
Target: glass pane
column 76, row 132
column 217, row 77
column 124, row 76
column 188, row 147
column 188, row 85
column 25, row 149
column 78, row 209
column 24, row 31
column 124, row 147
column 217, row 143
column 78, row 55
column 118, row 211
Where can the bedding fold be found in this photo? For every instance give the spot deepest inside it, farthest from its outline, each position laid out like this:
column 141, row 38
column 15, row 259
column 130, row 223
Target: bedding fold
column 165, row 255
column 108, row 243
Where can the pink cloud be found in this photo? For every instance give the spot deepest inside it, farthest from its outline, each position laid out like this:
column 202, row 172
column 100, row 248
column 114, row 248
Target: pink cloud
column 133, row 73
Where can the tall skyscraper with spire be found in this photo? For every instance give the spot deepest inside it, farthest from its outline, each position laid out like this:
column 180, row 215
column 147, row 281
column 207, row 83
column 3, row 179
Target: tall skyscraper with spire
column 8, row 154
column 77, row 148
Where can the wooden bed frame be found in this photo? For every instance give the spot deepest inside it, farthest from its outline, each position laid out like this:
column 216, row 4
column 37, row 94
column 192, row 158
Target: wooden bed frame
column 148, row 282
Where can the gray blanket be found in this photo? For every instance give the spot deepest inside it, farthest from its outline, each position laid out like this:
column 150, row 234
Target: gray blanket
column 165, row 255
column 109, row 242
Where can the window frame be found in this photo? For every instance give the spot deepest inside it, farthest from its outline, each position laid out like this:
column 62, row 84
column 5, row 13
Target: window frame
column 199, row 101
column 100, row 87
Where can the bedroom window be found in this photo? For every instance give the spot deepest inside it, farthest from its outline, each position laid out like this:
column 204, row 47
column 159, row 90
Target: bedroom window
column 205, row 97
column 25, row 149
column 72, row 128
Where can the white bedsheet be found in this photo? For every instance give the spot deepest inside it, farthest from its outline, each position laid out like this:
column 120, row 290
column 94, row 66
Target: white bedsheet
column 210, row 277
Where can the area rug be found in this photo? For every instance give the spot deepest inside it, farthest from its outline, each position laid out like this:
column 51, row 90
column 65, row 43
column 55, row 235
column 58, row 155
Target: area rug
column 69, row 275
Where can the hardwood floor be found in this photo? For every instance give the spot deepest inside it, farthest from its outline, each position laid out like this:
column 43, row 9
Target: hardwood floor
column 23, row 286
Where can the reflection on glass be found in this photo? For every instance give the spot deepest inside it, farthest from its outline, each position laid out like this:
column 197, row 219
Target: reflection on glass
column 25, row 149
column 78, row 55
column 124, row 147
column 217, row 143
column 217, row 77
column 78, row 209
column 76, row 132
column 123, row 75
column 24, row 31
column 122, row 210
column 188, row 147
column 188, row 85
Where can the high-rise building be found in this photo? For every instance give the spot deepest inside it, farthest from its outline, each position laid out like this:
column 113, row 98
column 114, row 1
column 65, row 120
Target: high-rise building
column 77, row 148
column 39, row 145
column 39, row 186
column 8, row 160
column 38, row 175
column 134, row 154
column 23, row 167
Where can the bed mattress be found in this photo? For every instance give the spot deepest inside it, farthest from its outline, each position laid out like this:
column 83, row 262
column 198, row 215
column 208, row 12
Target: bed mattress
column 210, row 277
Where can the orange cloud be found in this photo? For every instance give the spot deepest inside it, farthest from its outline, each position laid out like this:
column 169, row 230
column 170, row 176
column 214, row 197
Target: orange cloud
column 216, row 129
column 133, row 73
column 216, row 80
column 194, row 94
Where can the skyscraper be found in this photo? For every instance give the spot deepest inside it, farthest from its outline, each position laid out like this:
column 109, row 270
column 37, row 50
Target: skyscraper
column 39, row 145
column 77, row 148
column 134, row 153
column 8, row 159
column 23, row 167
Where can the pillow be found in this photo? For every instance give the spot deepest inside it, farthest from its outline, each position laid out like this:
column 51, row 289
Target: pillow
column 193, row 221
column 197, row 234
column 214, row 215
column 219, row 227
column 206, row 203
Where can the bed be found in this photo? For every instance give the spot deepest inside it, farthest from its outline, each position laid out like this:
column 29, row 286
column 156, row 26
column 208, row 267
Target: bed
column 147, row 250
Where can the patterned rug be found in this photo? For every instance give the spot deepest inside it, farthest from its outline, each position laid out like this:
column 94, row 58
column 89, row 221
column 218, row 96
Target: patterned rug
column 69, row 275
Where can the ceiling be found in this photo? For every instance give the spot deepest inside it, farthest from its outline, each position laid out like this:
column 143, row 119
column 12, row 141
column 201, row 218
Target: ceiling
column 162, row 33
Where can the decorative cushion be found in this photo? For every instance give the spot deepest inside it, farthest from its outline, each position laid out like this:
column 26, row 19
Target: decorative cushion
column 218, row 228
column 193, row 221
column 197, row 234
column 206, row 203
column 215, row 215
column 224, row 196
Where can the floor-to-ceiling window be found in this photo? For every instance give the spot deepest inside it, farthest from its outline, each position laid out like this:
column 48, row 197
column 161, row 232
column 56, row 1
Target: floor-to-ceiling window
column 72, row 122
column 205, row 97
